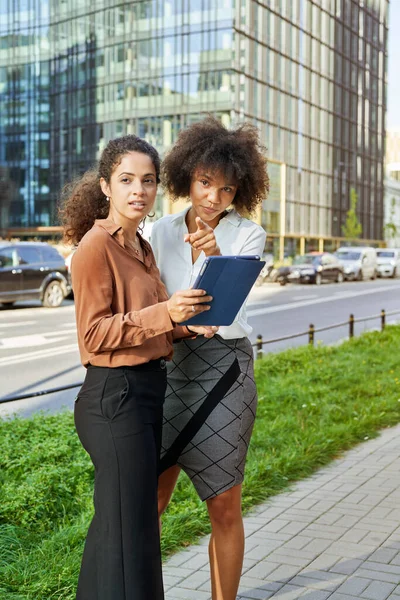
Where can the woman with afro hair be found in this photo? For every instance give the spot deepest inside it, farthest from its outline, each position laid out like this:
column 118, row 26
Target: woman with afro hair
column 211, row 397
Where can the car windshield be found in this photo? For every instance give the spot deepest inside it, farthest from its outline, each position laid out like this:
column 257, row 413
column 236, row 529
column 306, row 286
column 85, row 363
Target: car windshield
column 306, row 259
column 385, row 254
column 349, row 255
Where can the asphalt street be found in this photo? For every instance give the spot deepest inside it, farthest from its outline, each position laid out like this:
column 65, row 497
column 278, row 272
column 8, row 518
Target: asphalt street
column 38, row 346
column 291, row 309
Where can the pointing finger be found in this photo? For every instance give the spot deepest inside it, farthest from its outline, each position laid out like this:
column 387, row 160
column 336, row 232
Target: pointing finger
column 200, row 223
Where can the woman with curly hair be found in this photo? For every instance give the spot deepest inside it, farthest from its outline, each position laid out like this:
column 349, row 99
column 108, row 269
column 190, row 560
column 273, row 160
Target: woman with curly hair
column 211, row 397
column 126, row 325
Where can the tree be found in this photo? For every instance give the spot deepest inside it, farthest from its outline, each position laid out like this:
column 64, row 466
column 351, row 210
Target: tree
column 352, row 229
column 391, row 229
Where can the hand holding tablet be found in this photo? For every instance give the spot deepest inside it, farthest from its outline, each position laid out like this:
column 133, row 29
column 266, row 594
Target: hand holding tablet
column 228, row 279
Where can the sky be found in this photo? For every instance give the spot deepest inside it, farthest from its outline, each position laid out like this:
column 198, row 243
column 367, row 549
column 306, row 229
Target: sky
column 393, row 114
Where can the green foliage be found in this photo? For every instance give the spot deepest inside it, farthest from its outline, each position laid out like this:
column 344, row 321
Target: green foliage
column 352, row 228
column 313, row 404
column 46, row 483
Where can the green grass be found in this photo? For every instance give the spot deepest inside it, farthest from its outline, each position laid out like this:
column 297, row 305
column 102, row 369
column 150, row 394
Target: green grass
column 314, row 404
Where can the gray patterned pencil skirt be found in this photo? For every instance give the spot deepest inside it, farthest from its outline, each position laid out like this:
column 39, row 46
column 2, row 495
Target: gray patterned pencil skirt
column 209, row 412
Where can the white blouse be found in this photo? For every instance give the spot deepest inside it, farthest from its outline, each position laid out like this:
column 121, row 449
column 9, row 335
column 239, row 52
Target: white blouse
column 235, row 235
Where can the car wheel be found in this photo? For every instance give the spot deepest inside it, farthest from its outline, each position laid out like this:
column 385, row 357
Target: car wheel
column 8, row 303
column 374, row 275
column 318, row 279
column 394, row 273
column 360, row 276
column 53, row 295
column 340, row 277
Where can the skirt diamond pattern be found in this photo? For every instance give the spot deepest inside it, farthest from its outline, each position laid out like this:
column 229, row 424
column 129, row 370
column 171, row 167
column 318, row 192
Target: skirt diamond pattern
column 215, row 457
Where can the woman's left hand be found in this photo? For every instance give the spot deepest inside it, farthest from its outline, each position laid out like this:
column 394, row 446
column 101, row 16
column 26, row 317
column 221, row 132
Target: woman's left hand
column 207, row 331
column 203, row 239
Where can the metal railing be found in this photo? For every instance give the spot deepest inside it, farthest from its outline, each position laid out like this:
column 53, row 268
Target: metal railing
column 41, row 393
column 311, row 331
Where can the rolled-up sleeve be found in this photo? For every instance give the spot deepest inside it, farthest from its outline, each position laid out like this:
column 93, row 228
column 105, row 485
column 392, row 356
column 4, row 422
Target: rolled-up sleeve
column 100, row 328
column 181, row 331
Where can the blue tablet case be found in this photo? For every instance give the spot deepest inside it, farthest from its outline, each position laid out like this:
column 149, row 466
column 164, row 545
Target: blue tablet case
column 228, row 279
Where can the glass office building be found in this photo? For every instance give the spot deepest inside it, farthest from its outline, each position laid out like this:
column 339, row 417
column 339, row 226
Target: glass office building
column 314, row 79
column 310, row 74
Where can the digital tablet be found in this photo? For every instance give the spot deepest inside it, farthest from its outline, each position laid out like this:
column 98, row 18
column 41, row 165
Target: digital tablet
column 228, row 279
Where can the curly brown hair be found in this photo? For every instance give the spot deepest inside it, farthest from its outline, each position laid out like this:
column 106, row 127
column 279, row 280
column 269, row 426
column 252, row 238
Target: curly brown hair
column 209, row 145
column 83, row 201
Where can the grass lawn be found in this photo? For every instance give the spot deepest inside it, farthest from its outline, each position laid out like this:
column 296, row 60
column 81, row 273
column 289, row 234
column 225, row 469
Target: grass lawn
column 313, row 404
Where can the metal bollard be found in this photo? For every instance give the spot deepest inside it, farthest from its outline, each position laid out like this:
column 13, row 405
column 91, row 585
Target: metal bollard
column 383, row 319
column 259, row 346
column 311, row 334
column 351, row 326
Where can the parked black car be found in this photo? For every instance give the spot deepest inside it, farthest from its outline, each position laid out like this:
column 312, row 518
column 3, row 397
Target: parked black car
column 315, row 267
column 32, row 271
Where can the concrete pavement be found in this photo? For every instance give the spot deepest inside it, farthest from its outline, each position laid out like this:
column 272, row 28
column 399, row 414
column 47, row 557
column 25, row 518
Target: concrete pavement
column 335, row 535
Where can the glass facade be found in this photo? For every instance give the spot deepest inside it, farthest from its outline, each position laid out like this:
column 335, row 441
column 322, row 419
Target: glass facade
column 359, row 113
column 24, row 113
column 310, row 74
column 313, row 78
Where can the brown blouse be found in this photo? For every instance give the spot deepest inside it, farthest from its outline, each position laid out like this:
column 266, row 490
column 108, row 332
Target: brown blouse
column 120, row 301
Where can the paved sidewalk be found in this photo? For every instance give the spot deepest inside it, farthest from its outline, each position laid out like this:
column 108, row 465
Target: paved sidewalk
column 336, row 535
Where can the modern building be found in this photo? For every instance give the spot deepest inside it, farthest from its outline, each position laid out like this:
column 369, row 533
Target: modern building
column 392, row 189
column 392, row 211
column 311, row 74
column 392, row 157
column 392, row 147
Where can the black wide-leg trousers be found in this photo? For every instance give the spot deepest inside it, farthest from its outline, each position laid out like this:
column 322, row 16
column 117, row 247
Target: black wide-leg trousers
column 118, row 417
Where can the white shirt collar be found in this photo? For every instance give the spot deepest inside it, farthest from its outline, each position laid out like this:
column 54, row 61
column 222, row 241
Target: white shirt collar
column 233, row 218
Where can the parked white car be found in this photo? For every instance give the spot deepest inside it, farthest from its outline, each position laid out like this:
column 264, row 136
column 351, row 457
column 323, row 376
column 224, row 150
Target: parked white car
column 388, row 262
column 359, row 262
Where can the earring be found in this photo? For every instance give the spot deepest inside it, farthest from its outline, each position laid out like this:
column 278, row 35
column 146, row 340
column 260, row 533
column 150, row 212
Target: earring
column 151, row 215
column 107, row 199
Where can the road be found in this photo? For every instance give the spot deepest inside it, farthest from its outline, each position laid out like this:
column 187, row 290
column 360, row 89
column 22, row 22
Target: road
column 293, row 308
column 38, row 346
column 38, row 350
